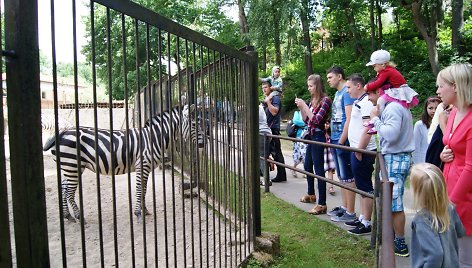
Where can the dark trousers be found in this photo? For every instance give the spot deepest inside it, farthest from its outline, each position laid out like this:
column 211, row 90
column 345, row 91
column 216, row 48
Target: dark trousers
column 315, row 158
column 276, row 152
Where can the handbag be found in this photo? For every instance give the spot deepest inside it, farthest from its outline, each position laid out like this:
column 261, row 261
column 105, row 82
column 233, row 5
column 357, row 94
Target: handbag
column 291, row 129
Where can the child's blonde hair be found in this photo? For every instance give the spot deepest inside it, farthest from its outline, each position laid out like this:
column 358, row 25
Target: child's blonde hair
column 429, row 191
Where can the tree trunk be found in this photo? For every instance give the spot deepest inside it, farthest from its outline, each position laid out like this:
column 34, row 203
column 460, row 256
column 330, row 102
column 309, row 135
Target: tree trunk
column 306, row 38
column 397, row 23
column 276, row 32
column 372, row 25
column 243, row 26
column 457, row 26
column 355, row 33
column 379, row 21
column 428, row 30
column 264, row 58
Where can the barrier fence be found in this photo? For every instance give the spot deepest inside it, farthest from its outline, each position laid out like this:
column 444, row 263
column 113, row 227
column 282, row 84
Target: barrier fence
column 382, row 228
column 185, row 96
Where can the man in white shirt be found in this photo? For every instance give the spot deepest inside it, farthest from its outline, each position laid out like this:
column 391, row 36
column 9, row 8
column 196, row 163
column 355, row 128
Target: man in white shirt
column 362, row 164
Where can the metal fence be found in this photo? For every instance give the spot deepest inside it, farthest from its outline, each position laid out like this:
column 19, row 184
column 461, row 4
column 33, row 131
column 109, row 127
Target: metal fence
column 382, row 226
column 188, row 106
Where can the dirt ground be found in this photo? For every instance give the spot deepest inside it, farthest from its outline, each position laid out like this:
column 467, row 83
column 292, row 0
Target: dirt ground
column 184, row 232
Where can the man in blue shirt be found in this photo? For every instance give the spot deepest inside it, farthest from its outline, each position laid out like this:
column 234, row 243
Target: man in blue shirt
column 341, row 115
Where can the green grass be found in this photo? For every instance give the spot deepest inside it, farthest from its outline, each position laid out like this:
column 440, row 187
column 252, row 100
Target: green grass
column 307, row 241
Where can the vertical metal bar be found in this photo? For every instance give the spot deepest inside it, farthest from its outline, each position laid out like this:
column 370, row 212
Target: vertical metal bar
column 164, row 102
column 56, row 120
column 140, row 141
column 200, row 238
column 24, row 112
column 77, row 132
column 182, row 152
column 127, row 140
column 112, row 145
column 226, row 158
column 215, row 156
column 190, row 102
column 172, row 145
column 151, row 140
column 5, row 248
column 253, row 142
column 161, row 121
column 95, row 115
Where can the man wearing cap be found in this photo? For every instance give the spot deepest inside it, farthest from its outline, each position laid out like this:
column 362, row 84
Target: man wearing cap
column 395, row 127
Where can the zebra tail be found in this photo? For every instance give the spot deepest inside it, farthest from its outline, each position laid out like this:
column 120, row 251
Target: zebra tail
column 52, row 140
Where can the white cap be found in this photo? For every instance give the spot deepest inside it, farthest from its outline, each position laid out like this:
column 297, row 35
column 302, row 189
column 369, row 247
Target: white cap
column 379, row 57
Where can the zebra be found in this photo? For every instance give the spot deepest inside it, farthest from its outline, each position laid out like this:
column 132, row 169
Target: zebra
column 150, row 156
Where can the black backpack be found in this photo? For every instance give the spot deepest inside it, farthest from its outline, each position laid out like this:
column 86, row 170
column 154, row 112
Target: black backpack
column 291, row 129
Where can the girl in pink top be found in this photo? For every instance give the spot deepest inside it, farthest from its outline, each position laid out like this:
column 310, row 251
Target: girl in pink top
column 455, row 87
column 390, row 82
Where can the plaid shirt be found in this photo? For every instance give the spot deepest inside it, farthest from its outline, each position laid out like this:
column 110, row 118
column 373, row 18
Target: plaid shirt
column 320, row 115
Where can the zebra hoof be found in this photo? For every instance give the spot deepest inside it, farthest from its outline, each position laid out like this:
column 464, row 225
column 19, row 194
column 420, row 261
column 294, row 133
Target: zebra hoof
column 190, row 195
column 188, row 185
column 139, row 219
column 146, row 212
column 70, row 218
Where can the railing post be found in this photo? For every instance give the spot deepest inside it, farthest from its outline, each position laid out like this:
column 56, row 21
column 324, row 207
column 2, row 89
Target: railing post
column 387, row 256
column 253, row 141
column 24, row 120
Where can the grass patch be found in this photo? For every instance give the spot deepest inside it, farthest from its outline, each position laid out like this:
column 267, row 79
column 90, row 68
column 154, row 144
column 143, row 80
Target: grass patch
column 307, row 241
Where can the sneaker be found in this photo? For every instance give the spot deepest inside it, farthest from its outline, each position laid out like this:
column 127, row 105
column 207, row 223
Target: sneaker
column 360, row 230
column 335, row 211
column 401, row 249
column 294, row 174
column 344, row 217
column 353, row 223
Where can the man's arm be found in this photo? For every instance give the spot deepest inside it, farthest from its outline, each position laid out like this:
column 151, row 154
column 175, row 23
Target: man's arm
column 347, row 110
column 273, row 109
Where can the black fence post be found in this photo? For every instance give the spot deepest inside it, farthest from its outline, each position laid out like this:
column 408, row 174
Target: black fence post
column 24, row 120
column 253, row 142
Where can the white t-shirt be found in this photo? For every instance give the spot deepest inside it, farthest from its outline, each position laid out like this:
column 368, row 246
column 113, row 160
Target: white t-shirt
column 360, row 110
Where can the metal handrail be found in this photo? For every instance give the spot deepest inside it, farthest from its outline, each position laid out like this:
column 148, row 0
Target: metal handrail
column 383, row 212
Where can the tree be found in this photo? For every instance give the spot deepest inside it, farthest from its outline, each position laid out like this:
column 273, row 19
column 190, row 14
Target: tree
column 304, row 17
column 426, row 16
column 204, row 17
column 458, row 26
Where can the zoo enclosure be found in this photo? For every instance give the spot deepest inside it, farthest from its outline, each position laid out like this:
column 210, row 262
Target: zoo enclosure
column 225, row 177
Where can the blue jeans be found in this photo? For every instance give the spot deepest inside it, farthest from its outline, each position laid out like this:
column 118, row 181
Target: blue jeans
column 315, row 158
column 342, row 160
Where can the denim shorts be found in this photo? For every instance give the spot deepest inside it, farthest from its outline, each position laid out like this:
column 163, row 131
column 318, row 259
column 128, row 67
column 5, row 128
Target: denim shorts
column 362, row 171
column 398, row 166
column 342, row 160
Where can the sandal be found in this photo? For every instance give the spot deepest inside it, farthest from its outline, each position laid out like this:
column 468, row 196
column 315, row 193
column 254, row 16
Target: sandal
column 331, row 190
column 308, row 199
column 318, row 210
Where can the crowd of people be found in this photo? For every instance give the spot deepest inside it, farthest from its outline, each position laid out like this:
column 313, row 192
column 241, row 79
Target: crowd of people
column 433, row 153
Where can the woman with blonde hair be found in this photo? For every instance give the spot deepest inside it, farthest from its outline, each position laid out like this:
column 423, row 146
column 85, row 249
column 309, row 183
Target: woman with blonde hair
column 315, row 114
column 436, row 226
column 455, row 87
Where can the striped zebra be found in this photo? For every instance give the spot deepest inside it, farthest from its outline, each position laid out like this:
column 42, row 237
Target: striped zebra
column 122, row 162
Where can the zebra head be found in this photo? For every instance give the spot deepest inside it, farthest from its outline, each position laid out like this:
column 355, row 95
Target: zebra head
column 190, row 126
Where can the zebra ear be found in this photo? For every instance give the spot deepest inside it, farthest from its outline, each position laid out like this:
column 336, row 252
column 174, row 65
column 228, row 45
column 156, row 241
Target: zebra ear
column 192, row 108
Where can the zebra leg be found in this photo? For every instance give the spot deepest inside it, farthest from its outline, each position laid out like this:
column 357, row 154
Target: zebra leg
column 65, row 207
column 141, row 185
column 70, row 186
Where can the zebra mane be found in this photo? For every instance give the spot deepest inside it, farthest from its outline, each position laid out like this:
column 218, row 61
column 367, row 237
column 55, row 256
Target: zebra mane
column 167, row 114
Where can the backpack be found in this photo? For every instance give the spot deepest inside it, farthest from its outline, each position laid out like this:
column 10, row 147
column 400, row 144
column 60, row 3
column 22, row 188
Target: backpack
column 291, row 129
